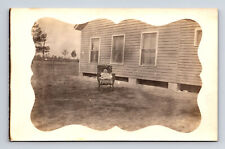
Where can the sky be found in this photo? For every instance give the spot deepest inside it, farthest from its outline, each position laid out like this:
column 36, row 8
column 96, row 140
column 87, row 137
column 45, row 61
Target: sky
column 60, row 36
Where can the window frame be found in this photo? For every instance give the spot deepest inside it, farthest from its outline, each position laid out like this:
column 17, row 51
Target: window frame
column 89, row 61
column 195, row 36
column 116, row 35
column 156, row 48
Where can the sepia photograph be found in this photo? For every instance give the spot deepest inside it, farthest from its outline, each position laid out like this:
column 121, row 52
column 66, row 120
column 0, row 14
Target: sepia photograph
column 130, row 74
column 110, row 74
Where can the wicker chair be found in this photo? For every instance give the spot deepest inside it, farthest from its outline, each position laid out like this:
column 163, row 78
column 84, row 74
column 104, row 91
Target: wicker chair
column 100, row 69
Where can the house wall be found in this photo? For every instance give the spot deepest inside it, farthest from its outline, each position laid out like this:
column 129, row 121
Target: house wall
column 189, row 67
column 177, row 60
column 98, row 28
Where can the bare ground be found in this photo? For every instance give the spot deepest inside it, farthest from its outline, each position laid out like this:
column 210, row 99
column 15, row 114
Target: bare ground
column 62, row 100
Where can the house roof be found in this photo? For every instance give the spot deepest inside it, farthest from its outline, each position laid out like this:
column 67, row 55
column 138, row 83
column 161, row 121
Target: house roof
column 80, row 26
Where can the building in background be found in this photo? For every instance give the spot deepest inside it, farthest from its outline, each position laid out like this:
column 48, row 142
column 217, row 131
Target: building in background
column 165, row 56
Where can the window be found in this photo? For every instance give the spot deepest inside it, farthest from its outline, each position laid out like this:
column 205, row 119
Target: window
column 117, row 54
column 149, row 48
column 198, row 36
column 95, row 46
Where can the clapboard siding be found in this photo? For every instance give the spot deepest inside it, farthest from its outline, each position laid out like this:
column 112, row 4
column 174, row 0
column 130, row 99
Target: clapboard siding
column 177, row 59
column 189, row 67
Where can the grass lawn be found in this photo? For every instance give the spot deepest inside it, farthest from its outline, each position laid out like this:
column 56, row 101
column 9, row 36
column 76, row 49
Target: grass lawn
column 62, row 100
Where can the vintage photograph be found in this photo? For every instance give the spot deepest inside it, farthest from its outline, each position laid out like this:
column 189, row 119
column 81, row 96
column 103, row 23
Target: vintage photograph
column 102, row 74
column 131, row 75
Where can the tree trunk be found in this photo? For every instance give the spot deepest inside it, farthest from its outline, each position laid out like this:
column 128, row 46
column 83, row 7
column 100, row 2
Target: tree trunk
column 43, row 50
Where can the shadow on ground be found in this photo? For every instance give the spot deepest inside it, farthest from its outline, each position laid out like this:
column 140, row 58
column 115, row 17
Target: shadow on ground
column 62, row 100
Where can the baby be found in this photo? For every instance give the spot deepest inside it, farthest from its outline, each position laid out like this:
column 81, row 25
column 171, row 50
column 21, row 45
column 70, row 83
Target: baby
column 106, row 75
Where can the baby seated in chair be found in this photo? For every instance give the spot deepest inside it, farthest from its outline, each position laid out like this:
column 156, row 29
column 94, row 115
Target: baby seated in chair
column 105, row 75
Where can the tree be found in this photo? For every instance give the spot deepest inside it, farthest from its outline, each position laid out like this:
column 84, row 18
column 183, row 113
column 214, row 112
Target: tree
column 39, row 38
column 65, row 52
column 73, row 54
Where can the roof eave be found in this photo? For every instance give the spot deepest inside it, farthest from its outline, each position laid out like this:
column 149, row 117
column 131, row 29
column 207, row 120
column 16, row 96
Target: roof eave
column 80, row 26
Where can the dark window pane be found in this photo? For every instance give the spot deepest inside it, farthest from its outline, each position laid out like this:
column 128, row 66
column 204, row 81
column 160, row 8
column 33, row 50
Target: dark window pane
column 199, row 36
column 94, row 50
column 149, row 41
column 148, row 56
column 117, row 50
column 95, row 44
column 148, row 48
column 94, row 56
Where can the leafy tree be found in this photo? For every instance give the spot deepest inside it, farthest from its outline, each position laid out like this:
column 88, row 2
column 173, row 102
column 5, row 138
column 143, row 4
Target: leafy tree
column 73, row 54
column 39, row 38
column 65, row 52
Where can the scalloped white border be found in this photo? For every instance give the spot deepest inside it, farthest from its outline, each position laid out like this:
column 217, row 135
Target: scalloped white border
column 22, row 94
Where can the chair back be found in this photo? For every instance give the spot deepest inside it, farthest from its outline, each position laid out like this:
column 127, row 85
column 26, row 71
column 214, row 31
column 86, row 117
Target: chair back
column 100, row 68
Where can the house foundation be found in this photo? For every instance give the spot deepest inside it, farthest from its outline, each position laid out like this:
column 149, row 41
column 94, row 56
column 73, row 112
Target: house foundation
column 173, row 86
column 132, row 81
column 80, row 74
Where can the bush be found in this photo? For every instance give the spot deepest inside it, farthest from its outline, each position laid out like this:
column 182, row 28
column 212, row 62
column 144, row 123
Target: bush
column 54, row 58
column 38, row 57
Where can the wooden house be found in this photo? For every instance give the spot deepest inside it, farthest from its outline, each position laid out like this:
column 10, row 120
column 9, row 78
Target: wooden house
column 141, row 53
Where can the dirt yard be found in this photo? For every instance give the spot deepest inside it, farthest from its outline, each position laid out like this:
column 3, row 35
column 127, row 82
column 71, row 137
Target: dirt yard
column 62, row 99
